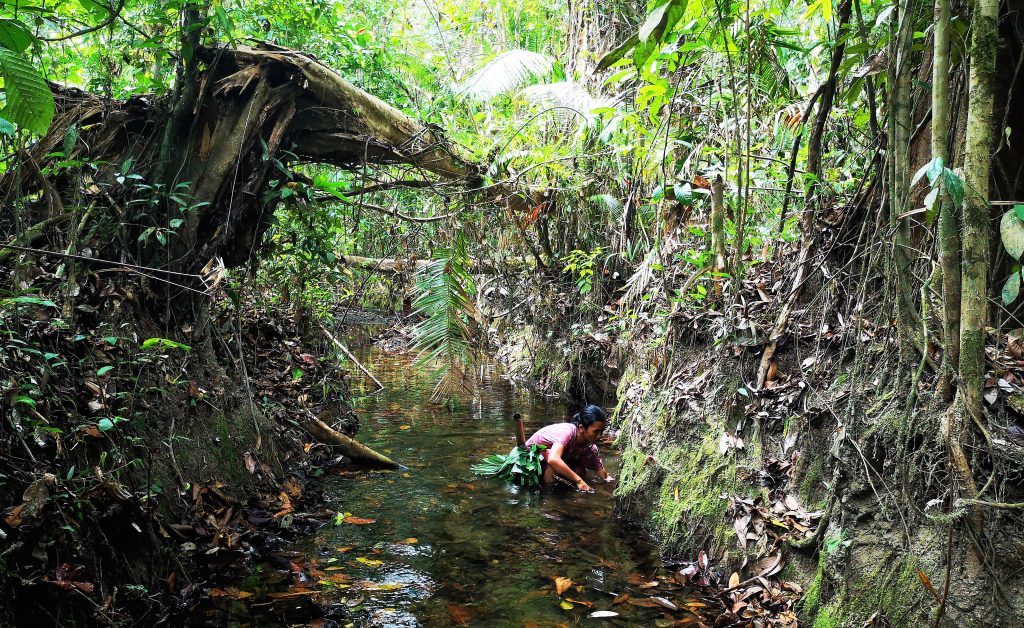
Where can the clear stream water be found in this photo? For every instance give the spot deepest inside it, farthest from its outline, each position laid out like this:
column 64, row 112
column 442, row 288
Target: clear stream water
column 449, row 548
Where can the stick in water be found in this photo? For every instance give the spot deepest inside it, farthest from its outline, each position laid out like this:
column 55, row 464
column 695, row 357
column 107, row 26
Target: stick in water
column 344, row 350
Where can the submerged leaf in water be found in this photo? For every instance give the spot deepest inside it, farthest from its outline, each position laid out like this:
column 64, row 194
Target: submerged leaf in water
column 359, row 521
column 369, row 562
column 460, row 615
column 230, row 592
column 597, row 614
column 654, row 602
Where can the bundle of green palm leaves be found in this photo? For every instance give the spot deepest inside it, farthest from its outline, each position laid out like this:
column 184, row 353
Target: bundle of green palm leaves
column 522, row 466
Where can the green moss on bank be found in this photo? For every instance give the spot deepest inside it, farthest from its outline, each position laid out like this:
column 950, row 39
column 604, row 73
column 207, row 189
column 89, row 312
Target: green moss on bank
column 889, row 588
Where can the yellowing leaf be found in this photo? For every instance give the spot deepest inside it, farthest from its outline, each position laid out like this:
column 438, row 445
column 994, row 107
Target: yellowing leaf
column 566, row 605
column 409, row 541
column 369, row 562
column 562, row 584
column 734, row 580
column 405, row 427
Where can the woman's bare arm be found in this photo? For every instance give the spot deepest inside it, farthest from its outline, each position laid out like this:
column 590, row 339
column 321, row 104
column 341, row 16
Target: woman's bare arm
column 558, row 465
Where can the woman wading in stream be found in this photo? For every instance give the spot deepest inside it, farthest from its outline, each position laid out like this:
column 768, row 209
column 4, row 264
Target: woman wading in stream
column 570, row 448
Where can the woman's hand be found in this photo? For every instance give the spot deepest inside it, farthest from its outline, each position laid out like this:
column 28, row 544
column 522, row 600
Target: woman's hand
column 609, row 478
column 583, row 486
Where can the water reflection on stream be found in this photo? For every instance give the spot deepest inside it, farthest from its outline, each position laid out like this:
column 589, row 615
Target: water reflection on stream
column 448, row 548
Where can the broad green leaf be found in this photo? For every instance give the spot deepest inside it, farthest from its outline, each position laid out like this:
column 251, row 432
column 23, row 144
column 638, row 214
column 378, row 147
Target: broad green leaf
column 935, row 169
column 1019, row 210
column 14, row 35
column 164, row 343
column 684, row 193
column 617, row 52
column 105, row 425
column 27, row 300
column 954, row 187
column 660, row 21
column 70, row 140
column 929, row 201
column 920, row 173
column 104, row 370
column 29, row 99
column 1011, row 230
column 99, row 9
column 1011, row 289
column 26, row 400
column 654, row 20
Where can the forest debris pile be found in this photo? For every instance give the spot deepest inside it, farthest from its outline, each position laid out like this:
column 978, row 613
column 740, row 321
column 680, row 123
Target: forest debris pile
column 91, row 392
column 293, row 381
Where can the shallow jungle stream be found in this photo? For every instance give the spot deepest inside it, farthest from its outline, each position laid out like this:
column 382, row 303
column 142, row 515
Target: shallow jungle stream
column 447, row 548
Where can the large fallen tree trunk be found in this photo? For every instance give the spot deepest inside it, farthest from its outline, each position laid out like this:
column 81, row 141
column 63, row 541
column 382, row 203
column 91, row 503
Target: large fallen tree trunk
column 256, row 111
column 392, row 266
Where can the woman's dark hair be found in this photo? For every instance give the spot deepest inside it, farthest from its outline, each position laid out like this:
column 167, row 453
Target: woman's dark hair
column 589, row 415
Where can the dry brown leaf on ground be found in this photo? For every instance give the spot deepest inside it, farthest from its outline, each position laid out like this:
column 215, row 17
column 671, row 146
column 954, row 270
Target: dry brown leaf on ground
column 286, row 506
column 562, row 584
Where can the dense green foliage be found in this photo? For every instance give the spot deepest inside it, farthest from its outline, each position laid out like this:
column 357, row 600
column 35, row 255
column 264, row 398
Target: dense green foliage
column 521, row 466
column 740, row 172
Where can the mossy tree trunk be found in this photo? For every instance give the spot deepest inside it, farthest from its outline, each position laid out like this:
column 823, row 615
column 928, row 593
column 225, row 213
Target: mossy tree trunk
column 949, row 237
column 976, row 229
column 900, row 128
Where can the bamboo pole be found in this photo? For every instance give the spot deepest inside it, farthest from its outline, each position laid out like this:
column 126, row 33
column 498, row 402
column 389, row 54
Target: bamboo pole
column 520, row 430
column 352, row 448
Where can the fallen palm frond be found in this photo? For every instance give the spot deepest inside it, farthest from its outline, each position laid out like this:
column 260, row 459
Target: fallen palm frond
column 521, row 466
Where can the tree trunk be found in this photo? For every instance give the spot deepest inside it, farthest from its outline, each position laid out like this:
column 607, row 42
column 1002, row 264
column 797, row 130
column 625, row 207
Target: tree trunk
column 977, row 165
column 949, row 237
column 900, row 127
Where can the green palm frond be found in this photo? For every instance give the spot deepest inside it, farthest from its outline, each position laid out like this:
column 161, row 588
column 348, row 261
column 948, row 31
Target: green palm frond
column 509, row 71
column 569, row 94
column 444, row 337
